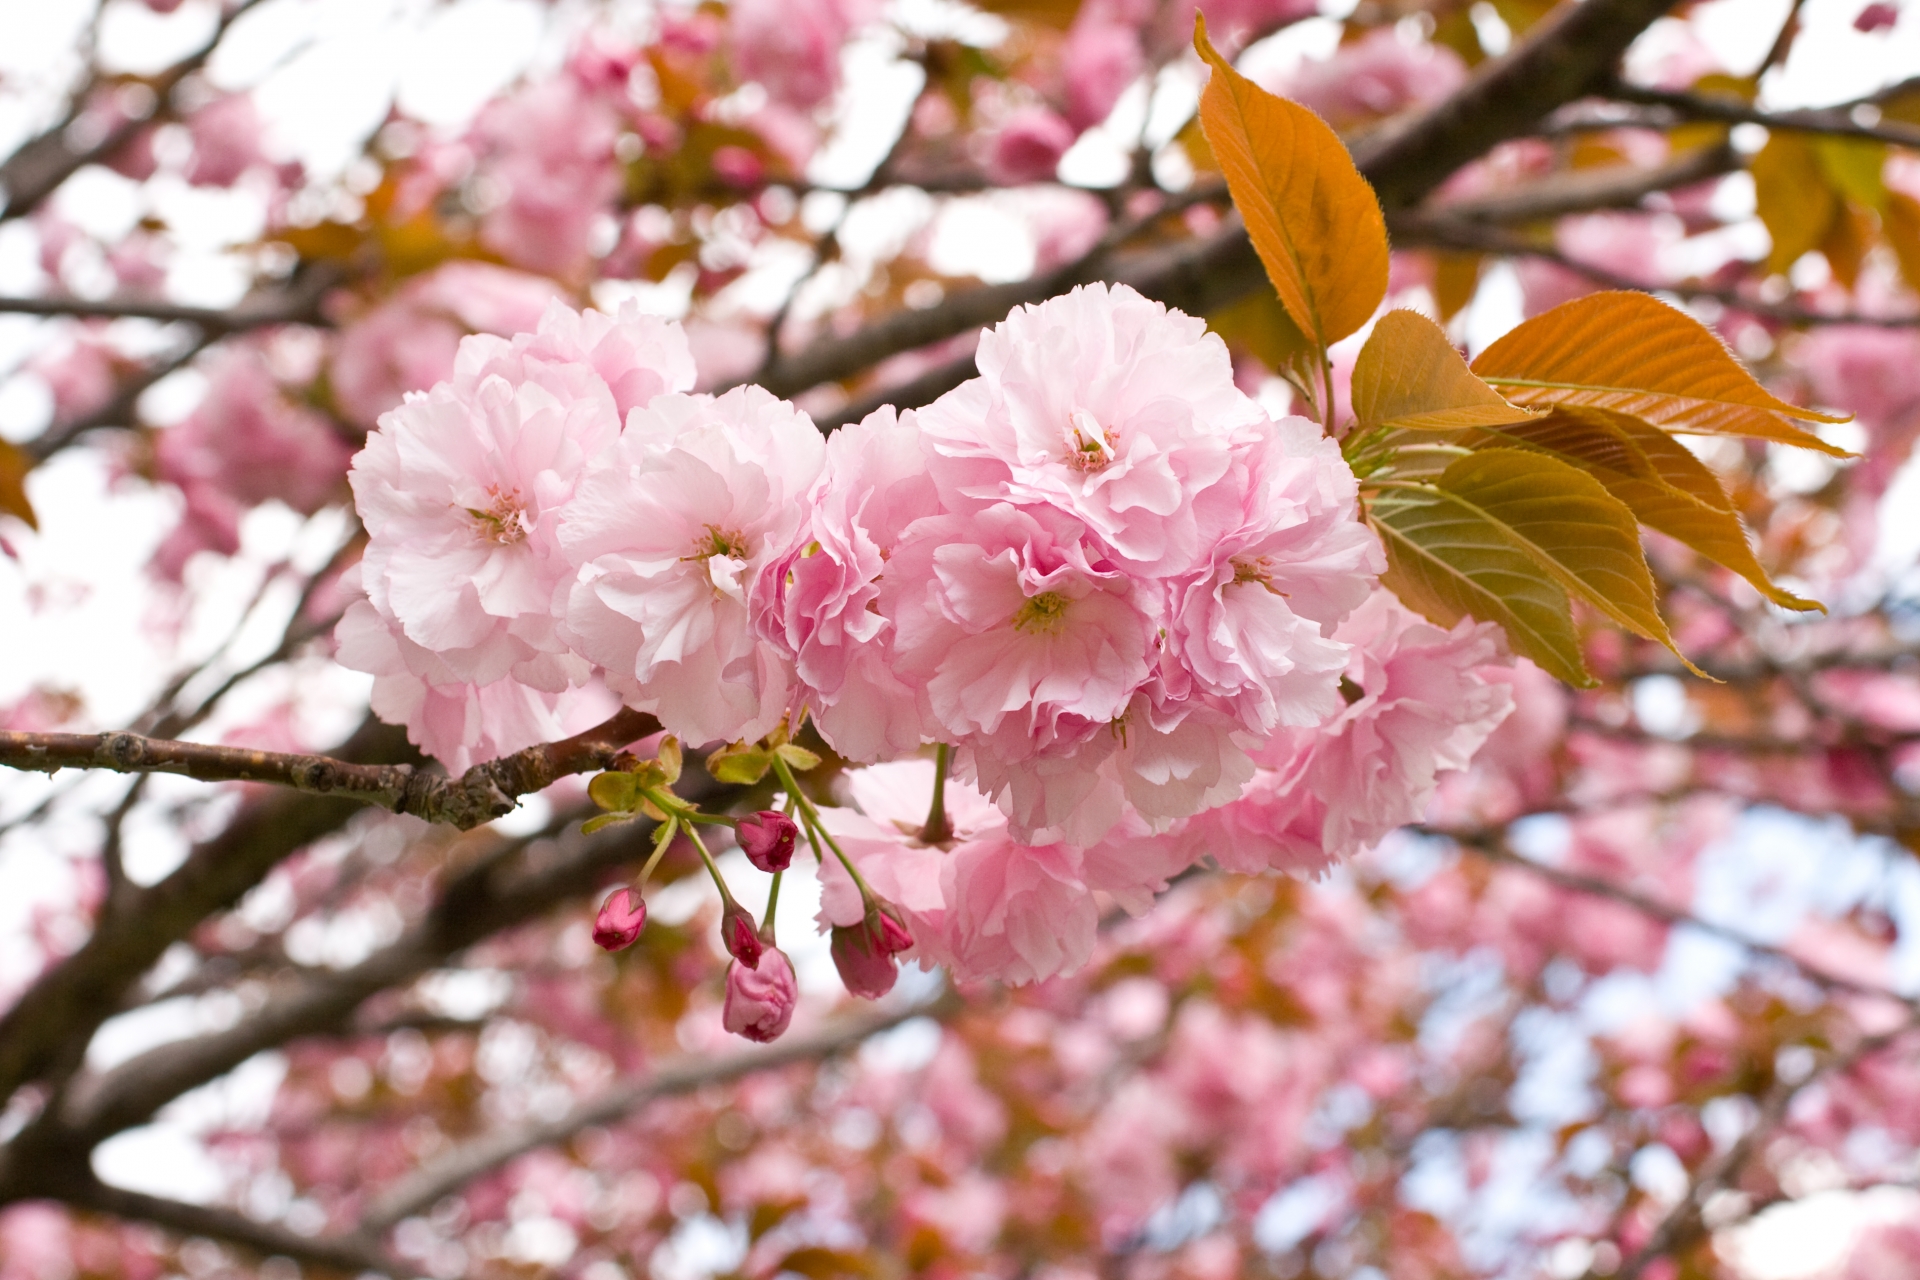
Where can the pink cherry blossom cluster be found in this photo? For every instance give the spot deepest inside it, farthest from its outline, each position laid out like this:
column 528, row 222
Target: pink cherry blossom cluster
column 1139, row 615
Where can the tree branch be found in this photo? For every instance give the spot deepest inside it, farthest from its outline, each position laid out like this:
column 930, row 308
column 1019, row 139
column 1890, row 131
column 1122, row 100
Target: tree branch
column 1494, row 850
column 350, row 1255
column 1834, row 121
column 425, row 1187
column 1561, row 58
column 300, row 306
column 1586, row 190
column 483, row 793
column 37, row 168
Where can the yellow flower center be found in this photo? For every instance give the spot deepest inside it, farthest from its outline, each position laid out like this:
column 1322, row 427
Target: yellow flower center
column 1042, row 613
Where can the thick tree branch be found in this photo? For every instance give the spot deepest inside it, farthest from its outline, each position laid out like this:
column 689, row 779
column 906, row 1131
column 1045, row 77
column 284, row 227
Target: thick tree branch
column 1564, row 57
column 481, row 794
column 426, row 1186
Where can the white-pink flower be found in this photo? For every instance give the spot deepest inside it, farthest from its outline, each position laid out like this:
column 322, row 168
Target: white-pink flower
column 822, row 612
column 671, row 532
column 461, row 490
column 457, row 723
column 550, row 147
column 1421, row 705
column 1023, row 648
column 1105, row 406
column 793, row 48
column 1252, row 628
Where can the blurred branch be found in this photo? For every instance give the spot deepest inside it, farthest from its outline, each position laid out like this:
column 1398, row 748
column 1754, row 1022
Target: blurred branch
column 1432, row 231
column 1683, row 1224
column 1491, row 847
column 119, row 410
column 1675, row 107
column 425, row 1187
column 350, row 1255
column 1584, row 190
column 290, row 306
column 483, row 793
column 37, row 168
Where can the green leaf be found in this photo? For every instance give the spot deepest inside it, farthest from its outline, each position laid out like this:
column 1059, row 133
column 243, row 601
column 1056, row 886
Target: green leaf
column 799, row 757
column 670, row 758
column 615, row 792
column 1665, row 486
column 1410, row 377
column 1505, row 535
column 739, row 764
column 1313, row 219
column 1634, row 354
column 601, row 821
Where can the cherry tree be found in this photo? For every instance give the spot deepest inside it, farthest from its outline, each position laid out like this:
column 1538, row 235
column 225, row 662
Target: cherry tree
column 1273, row 638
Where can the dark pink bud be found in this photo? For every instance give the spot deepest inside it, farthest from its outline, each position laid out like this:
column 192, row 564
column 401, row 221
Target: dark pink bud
column 621, row 918
column 760, row 1001
column 741, row 936
column 1876, row 17
column 767, row 839
column 863, row 953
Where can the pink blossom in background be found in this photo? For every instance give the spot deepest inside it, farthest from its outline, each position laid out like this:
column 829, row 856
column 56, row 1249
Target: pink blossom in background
column 1029, row 146
column 461, row 492
column 457, row 722
column 1877, row 17
column 245, row 444
column 550, row 146
column 670, row 532
column 408, row 342
column 1378, row 75
column 1627, row 245
column 227, row 141
column 760, row 1000
column 81, row 378
column 792, row 47
column 1103, row 55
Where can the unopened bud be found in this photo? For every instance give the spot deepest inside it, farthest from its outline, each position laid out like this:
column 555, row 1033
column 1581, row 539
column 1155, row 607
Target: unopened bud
column 760, row 1000
column 863, row 953
column 621, row 918
column 740, row 936
column 767, row 838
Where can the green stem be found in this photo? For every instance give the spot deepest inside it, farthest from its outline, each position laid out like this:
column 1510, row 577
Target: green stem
column 726, row 895
column 773, row 900
column 659, row 852
column 816, row 831
column 938, row 830
column 1326, row 375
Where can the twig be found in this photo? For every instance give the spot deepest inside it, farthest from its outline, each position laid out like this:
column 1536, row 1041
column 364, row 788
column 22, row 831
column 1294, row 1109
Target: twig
column 483, row 793
column 1832, row 121
column 422, row 1189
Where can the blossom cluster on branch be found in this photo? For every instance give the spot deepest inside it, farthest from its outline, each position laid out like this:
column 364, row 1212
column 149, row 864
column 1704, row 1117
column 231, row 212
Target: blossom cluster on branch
column 1140, row 613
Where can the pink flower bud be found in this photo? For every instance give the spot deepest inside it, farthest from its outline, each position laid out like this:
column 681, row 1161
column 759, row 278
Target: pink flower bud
column 760, row 1000
column 622, row 916
column 1876, row 17
column 741, row 936
column 863, row 953
column 767, row 839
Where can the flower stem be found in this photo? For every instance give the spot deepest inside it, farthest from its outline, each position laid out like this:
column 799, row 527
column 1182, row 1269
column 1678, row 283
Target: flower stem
column 816, row 831
column 726, row 895
column 773, row 900
column 659, row 852
column 938, row 830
